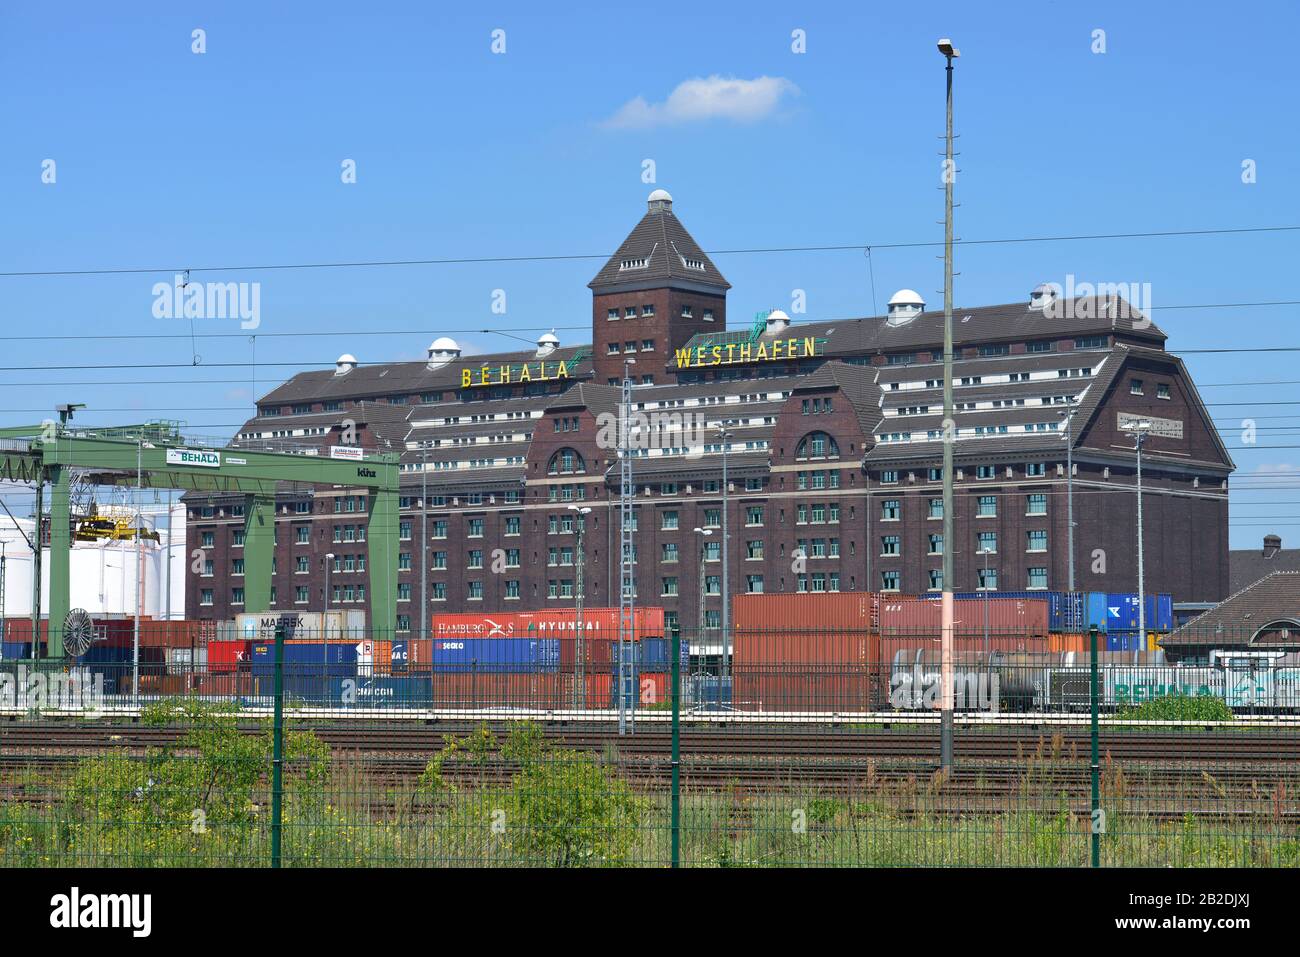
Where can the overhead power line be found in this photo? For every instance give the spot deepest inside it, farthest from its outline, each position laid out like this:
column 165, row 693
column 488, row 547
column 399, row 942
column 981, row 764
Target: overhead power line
column 855, row 247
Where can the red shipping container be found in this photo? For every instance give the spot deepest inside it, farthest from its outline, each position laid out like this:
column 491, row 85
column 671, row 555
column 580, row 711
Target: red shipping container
column 803, row 687
column 600, row 690
column 229, row 656
column 922, row 618
column 828, row 612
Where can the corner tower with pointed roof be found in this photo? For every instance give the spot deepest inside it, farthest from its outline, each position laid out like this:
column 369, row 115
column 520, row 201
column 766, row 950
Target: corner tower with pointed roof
column 652, row 295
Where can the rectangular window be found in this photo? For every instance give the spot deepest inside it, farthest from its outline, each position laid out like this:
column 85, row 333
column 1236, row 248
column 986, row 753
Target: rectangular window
column 936, row 508
column 988, row 579
column 1037, row 578
column 439, row 560
column 889, row 478
column 668, row 521
column 1135, row 386
column 988, row 543
column 936, row 579
column 668, row 552
column 404, row 531
column 440, row 528
column 1035, row 469
column 1162, row 390
column 300, row 594
column 512, row 588
column 889, row 544
column 936, row 544
column 754, row 584
column 986, row 471
column 669, row 589
column 889, row 581
column 205, row 596
column 439, row 591
column 512, row 524
column 889, row 510
column 754, row 550
column 1036, row 504
column 475, row 590
column 475, row 529
column 988, row 506
column 713, row 584
column 1037, row 541
column 754, row 515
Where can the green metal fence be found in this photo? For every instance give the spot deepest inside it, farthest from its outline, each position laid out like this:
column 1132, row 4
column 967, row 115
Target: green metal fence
column 1061, row 758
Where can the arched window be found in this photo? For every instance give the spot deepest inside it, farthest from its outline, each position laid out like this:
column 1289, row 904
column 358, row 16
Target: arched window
column 566, row 462
column 817, row 445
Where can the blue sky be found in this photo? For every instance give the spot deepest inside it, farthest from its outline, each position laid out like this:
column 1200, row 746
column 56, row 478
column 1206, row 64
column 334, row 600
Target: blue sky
column 167, row 158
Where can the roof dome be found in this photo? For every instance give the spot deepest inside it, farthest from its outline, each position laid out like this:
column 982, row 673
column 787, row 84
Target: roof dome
column 345, row 364
column 547, row 343
column 777, row 320
column 660, row 194
column 444, row 344
column 906, row 297
column 441, row 351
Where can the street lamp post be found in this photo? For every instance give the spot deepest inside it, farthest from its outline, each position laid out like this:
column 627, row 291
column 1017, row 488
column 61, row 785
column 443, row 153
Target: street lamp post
column 579, row 636
column 325, row 623
column 1067, row 417
column 704, row 533
column 724, row 435
column 949, row 53
column 1140, row 431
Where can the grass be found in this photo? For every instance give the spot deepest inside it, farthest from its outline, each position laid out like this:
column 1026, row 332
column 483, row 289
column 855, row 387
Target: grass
column 206, row 804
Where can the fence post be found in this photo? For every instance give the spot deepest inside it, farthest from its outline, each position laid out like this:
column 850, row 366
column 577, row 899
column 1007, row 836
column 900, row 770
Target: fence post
column 1096, row 766
column 677, row 743
column 277, row 747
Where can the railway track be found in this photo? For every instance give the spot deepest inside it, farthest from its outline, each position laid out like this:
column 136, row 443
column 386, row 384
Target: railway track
column 798, row 744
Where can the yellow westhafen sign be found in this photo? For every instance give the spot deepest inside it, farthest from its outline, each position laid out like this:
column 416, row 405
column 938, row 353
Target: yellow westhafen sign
column 733, row 353
column 511, row 375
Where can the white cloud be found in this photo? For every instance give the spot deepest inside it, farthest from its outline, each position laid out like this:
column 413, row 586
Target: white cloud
column 700, row 99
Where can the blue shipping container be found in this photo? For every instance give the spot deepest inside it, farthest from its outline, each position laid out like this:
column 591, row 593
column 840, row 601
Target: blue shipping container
column 463, row 655
column 655, row 654
column 1124, row 641
column 15, row 650
column 1160, row 613
column 400, row 661
column 413, row 691
column 334, row 660
column 1065, row 611
column 1121, row 611
column 1095, row 613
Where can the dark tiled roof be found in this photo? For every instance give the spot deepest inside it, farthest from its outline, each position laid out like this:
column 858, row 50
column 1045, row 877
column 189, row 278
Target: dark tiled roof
column 1246, row 565
column 1236, row 619
column 663, row 242
column 1010, row 322
column 408, row 377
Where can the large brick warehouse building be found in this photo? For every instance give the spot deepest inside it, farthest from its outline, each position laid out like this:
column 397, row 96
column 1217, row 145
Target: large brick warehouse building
column 833, row 458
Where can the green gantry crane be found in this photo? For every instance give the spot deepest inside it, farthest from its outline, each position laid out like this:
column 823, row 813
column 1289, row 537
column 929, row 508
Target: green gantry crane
column 154, row 455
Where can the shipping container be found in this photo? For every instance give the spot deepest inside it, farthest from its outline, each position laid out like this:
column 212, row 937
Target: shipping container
column 227, row 656
column 406, row 691
column 186, row 661
column 828, row 612
column 495, row 654
column 334, row 659
column 803, row 687
column 1063, row 642
column 1096, row 615
column 1006, row 618
column 655, row 654
column 337, row 625
column 15, row 650
column 503, row 689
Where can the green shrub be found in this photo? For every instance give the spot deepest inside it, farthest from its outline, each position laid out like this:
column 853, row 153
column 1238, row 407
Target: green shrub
column 1179, row 707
